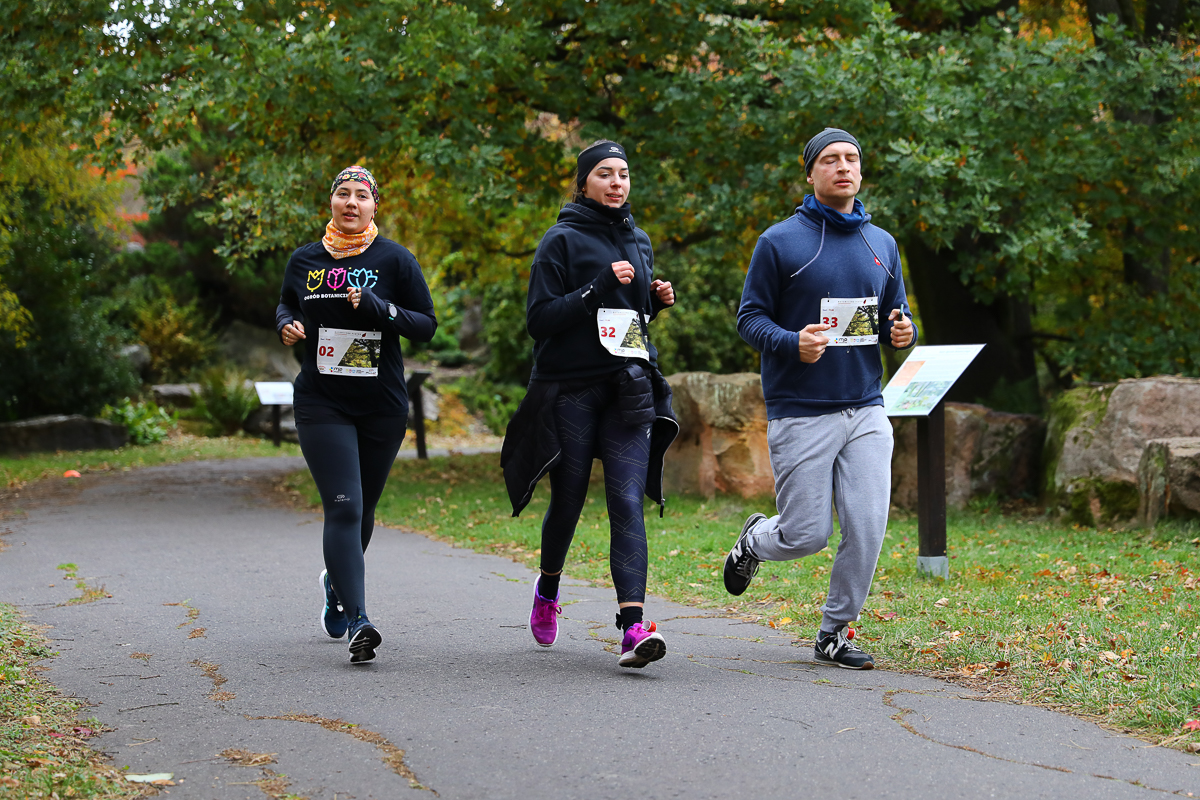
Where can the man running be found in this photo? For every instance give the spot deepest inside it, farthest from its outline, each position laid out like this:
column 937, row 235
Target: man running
column 825, row 278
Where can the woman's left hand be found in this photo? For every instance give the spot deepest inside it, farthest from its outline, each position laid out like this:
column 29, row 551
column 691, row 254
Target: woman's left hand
column 354, row 296
column 666, row 295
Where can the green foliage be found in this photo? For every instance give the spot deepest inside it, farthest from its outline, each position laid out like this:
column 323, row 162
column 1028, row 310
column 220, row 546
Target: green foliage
column 1015, row 154
column 495, row 401
column 146, row 421
column 178, row 336
column 225, row 400
column 56, row 241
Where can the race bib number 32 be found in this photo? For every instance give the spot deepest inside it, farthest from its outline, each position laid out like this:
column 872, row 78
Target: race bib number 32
column 852, row 320
column 353, row 353
column 620, row 333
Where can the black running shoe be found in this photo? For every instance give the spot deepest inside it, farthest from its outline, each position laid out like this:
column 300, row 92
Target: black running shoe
column 364, row 638
column 333, row 617
column 838, row 648
column 740, row 565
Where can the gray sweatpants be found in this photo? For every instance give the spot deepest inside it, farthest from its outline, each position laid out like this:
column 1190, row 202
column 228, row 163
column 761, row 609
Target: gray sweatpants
column 845, row 457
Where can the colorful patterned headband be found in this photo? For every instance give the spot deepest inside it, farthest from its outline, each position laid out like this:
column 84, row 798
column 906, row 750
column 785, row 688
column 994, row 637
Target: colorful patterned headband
column 356, row 173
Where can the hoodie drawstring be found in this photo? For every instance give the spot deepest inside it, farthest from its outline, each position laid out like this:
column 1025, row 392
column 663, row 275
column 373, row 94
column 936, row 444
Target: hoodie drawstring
column 819, row 249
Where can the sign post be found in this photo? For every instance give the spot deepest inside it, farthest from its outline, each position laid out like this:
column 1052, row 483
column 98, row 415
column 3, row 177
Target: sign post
column 916, row 390
column 275, row 394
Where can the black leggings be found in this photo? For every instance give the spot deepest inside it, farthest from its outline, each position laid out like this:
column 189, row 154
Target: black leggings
column 350, row 463
column 589, row 426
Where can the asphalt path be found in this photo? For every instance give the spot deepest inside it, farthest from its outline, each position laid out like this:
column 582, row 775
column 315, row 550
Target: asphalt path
column 209, row 643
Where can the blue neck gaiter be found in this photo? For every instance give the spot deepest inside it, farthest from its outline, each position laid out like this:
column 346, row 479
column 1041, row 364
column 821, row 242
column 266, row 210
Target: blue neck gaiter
column 817, row 211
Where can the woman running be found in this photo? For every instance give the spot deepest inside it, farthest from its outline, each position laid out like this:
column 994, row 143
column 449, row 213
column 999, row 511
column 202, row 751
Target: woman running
column 357, row 293
column 595, row 392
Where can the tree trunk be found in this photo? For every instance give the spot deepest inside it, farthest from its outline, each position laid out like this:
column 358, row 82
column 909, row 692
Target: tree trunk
column 951, row 315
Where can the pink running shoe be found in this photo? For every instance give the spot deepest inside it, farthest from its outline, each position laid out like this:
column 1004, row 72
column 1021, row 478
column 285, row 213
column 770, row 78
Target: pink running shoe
column 543, row 620
column 641, row 645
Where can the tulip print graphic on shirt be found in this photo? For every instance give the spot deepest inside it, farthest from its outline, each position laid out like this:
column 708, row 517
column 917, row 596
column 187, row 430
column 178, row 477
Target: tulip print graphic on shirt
column 337, row 278
column 315, row 277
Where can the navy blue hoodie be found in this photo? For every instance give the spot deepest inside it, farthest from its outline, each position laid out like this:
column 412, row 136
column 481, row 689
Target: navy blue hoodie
column 572, row 276
column 782, row 294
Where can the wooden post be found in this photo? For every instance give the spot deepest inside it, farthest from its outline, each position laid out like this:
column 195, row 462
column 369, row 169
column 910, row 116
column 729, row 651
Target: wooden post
column 418, row 409
column 931, row 494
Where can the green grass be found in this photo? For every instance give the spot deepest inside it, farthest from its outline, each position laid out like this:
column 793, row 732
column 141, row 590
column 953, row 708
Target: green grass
column 15, row 471
column 43, row 747
column 1100, row 623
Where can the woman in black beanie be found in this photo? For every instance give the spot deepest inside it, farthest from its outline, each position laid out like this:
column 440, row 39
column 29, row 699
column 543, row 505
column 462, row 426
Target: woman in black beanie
column 595, row 392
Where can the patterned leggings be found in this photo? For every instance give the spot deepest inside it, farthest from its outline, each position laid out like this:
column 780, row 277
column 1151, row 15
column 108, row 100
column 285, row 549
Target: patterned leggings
column 589, row 426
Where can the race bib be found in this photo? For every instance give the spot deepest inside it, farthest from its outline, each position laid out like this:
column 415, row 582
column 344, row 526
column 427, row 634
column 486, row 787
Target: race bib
column 342, row 352
column 852, row 320
column 620, row 333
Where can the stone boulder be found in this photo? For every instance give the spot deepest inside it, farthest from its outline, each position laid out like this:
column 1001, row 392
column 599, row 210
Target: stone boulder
column 722, row 443
column 175, row 395
column 74, row 432
column 1098, row 434
column 261, row 422
column 987, row 453
column 1169, row 479
column 259, row 352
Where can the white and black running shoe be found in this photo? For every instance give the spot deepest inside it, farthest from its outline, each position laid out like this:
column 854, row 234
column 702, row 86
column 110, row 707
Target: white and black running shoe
column 839, row 648
column 740, row 565
column 364, row 638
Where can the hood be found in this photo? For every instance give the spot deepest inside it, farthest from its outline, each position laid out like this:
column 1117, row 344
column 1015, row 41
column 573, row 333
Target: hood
column 589, row 212
column 818, row 212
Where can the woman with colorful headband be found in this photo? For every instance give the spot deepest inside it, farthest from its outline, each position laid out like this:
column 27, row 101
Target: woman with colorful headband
column 595, row 392
column 349, row 298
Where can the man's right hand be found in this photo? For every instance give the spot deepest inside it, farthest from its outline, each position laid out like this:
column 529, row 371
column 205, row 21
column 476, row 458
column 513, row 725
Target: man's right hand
column 813, row 342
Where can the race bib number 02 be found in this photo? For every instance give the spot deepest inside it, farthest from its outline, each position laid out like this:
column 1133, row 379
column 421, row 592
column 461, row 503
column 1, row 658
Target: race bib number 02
column 851, row 320
column 353, row 353
column 620, row 333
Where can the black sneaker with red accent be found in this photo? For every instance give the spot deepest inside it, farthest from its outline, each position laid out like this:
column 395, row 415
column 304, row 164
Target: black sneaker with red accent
column 839, row 648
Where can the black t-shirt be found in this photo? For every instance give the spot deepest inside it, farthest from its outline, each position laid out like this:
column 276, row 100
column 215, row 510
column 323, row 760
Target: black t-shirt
column 354, row 366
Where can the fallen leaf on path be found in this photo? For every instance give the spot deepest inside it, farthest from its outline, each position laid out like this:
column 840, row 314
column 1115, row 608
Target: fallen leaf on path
column 153, row 778
column 942, row 603
column 1192, row 725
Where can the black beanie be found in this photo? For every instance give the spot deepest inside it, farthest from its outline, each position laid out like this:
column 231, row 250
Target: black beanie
column 590, row 157
column 822, row 140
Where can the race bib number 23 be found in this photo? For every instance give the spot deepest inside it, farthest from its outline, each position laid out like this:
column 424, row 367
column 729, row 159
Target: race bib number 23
column 851, row 320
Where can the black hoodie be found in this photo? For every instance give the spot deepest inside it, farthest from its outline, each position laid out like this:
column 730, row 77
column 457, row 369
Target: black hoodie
column 572, row 276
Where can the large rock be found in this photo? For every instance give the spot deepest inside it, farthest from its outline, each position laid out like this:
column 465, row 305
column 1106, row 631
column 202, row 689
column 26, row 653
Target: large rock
column 1169, row 479
column 261, row 422
column 259, row 352
column 987, row 453
column 176, row 395
column 722, row 443
column 1098, row 434
column 74, row 432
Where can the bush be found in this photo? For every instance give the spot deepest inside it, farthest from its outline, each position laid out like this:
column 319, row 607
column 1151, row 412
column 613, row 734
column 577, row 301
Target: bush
column 178, row 336
column 226, row 398
column 495, row 401
column 146, row 421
